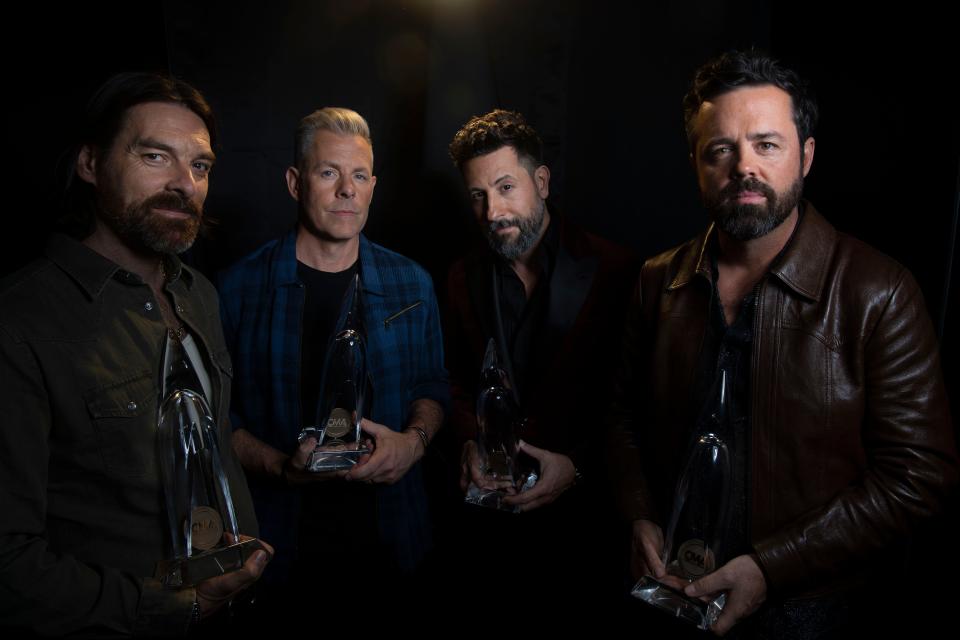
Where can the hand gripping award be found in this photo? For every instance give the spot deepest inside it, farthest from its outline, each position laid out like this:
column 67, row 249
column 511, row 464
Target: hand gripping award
column 499, row 423
column 343, row 388
column 695, row 544
column 204, row 534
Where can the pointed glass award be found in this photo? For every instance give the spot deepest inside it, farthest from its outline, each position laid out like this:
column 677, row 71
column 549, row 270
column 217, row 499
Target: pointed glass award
column 499, row 422
column 205, row 538
column 339, row 444
column 694, row 544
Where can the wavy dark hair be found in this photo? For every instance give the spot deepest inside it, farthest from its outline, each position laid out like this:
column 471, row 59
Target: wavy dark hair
column 499, row 128
column 735, row 69
column 102, row 121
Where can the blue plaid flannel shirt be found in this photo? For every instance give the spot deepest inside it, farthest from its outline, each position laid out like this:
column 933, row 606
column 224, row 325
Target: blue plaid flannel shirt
column 261, row 307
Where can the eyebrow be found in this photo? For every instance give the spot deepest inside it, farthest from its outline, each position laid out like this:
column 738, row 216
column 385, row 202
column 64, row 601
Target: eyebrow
column 764, row 135
column 338, row 167
column 752, row 137
column 505, row 176
column 152, row 143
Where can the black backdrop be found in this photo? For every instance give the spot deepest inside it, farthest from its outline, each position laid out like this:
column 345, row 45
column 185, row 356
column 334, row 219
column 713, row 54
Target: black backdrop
column 602, row 83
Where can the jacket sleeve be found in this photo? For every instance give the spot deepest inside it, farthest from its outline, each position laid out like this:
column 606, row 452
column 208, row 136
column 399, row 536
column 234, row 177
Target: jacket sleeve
column 911, row 463
column 228, row 292
column 458, row 358
column 432, row 382
column 41, row 590
column 623, row 455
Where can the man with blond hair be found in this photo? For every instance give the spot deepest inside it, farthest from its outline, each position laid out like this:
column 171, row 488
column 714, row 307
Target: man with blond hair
column 281, row 304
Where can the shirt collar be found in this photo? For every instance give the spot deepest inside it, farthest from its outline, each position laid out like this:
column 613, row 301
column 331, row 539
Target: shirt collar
column 285, row 271
column 801, row 265
column 91, row 271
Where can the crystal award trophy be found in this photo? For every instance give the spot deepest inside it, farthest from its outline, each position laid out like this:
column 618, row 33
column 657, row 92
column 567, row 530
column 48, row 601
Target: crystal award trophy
column 499, row 422
column 342, row 390
column 198, row 501
column 694, row 541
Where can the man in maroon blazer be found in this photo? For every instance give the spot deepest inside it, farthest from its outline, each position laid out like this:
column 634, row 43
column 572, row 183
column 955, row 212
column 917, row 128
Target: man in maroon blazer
column 553, row 297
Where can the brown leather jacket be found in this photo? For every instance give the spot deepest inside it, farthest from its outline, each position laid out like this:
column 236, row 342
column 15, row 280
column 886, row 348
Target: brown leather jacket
column 851, row 438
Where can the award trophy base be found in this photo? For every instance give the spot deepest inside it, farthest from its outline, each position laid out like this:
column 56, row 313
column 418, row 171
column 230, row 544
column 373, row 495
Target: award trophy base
column 187, row 572
column 334, row 458
column 493, row 498
column 668, row 599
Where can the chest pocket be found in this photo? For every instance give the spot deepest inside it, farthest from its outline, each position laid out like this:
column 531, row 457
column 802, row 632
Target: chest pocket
column 124, row 415
column 393, row 342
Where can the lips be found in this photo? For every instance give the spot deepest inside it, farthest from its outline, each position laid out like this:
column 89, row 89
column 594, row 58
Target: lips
column 173, row 213
column 172, row 205
column 748, row 191
column 749, row 196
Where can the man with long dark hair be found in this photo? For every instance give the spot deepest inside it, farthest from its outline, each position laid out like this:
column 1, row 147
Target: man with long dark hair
column 83, row 337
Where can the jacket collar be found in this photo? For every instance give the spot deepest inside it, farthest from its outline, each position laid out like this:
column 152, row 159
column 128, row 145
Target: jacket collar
column 804, row 262
column 284, row 272
column 91, row 271
column 801, row 266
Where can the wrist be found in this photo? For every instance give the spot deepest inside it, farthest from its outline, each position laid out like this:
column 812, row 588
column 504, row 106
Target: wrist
column 420, row 437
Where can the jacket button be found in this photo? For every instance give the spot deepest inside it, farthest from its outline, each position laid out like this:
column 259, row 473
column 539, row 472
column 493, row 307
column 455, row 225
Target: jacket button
column 131, row 406
column 148, row 306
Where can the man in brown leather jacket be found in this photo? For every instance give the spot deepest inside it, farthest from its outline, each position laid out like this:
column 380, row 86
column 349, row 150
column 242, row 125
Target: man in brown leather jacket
column 837, row 415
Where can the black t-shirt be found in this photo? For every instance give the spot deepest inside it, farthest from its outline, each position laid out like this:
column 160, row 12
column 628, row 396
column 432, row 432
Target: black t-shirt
column 324, row 292
column 338, row 524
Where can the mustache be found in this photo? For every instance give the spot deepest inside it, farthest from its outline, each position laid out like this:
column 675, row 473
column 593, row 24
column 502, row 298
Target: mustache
column 174, row 202
column 748, row 184
column 502, row 223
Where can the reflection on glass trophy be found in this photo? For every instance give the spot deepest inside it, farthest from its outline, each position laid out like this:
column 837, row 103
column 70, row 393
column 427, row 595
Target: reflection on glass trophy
column 198, row 502
column 342, row 390
column 498, row 433
column 694, row 541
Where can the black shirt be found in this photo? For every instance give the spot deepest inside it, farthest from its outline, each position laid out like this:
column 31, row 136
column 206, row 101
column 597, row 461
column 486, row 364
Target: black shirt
column 523, row 319
column 729, row 347
column 323, row 300
column 338, row 528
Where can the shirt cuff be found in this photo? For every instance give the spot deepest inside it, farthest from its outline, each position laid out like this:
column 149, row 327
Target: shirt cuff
column 163, row 611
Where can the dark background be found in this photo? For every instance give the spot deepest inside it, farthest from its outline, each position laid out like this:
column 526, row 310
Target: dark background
column 602, row 83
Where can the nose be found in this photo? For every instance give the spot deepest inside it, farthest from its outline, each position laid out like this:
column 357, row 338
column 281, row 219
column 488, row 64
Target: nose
column 346, row 189
column 745, row 165
column 183, row 180
column 494, row 208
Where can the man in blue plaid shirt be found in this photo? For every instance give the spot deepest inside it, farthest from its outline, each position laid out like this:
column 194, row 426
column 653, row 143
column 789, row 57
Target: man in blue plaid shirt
column 362, row 530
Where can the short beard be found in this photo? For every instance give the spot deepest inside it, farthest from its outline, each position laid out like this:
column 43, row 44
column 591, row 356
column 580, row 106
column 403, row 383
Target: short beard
column 750, row 221
column 529, row 227
column 140, row 227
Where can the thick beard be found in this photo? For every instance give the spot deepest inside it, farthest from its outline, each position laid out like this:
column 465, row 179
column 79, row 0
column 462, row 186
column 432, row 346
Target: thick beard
column 529, row 227
column 140, row 227
column 750, row 221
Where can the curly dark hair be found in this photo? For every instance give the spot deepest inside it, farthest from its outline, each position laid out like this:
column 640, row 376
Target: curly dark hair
column 735, row 69
column 499, row 128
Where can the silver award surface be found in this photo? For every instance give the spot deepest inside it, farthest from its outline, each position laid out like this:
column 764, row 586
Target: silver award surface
column 499, row 422
column 198, row 502
column 339, row 444
column 694, row 540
